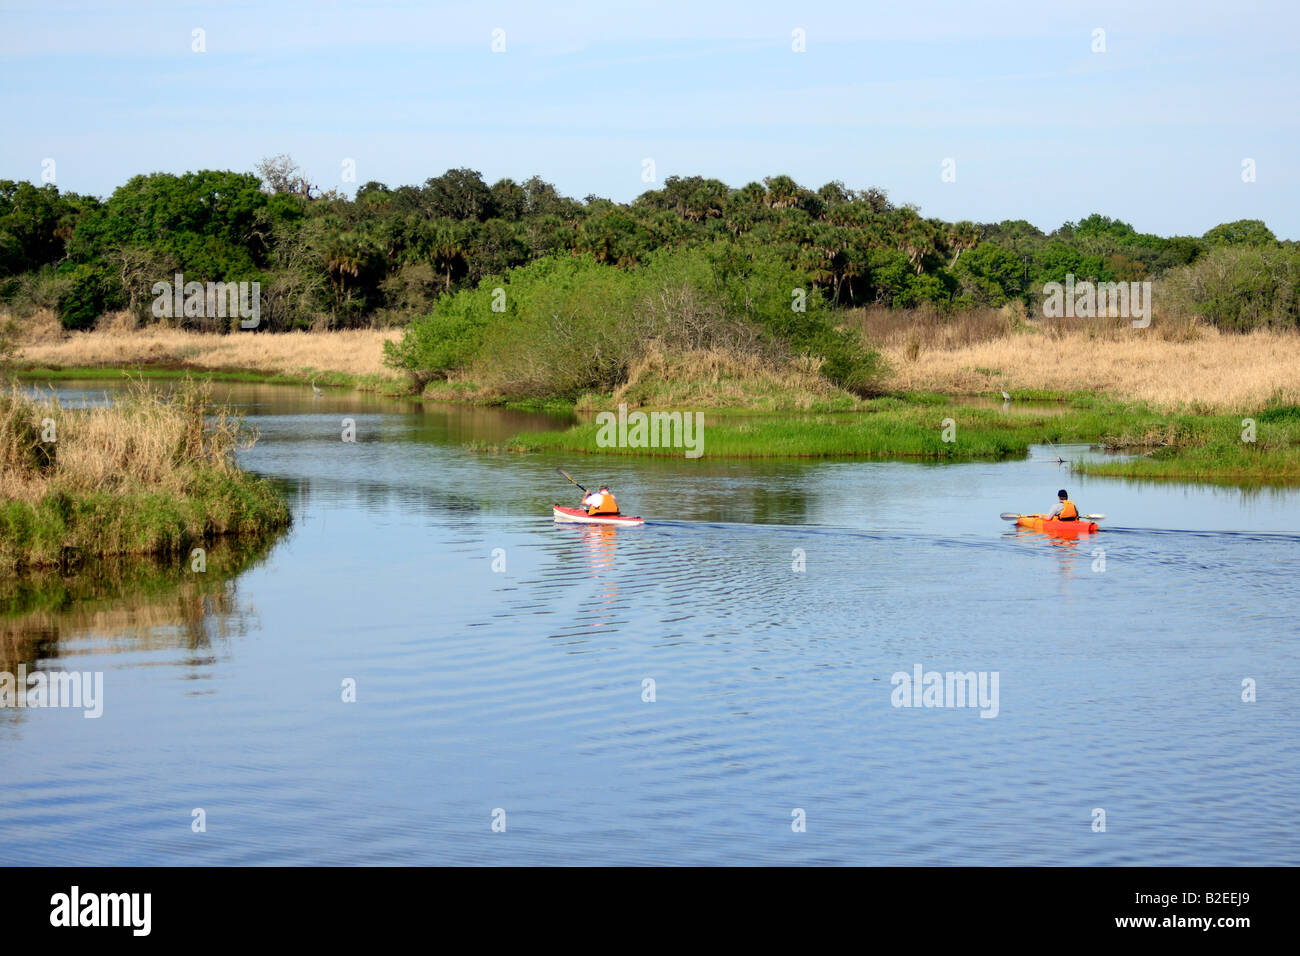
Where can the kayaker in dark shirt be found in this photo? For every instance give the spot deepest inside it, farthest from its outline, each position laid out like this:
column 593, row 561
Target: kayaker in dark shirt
column 1065, row 510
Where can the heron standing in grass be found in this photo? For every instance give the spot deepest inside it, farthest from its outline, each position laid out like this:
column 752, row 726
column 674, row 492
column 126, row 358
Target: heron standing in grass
column 1006, row 396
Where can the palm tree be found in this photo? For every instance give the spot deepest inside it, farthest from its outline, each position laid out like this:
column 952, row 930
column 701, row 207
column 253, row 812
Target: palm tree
column 962, row 236
column 916, row 237
column 782, row 192
column 446, row 248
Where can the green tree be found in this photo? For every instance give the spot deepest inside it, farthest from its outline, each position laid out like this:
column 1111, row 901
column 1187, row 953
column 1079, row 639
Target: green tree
column 990, row 274
column 458, row 194
column 1243, row 232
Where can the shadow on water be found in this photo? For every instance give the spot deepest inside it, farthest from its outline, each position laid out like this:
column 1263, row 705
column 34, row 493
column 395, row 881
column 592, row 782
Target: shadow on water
column 128, row 605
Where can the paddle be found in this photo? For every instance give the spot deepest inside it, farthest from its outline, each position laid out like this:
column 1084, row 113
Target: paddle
column 1008, row 516
column 565, row 474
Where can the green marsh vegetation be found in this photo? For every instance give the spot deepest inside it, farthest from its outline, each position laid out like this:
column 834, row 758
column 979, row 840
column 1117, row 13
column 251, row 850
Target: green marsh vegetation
column 1186, row 445
column 1262, row 448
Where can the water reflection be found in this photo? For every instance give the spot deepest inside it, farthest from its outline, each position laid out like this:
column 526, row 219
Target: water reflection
column 128, row 606
column 599, row 550
column 1072, row 551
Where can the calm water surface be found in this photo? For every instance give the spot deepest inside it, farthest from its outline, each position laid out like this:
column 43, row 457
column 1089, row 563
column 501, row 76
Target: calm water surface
column 521, row 689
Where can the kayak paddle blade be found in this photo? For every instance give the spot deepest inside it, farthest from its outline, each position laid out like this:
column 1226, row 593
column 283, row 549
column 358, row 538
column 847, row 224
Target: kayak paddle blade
column 564, row 474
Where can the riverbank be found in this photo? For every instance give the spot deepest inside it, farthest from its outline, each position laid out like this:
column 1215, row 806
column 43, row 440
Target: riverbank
column 352, row 358
column 1113, row 385
column 1183, row 446
column 149, row 474
column 1171, row 366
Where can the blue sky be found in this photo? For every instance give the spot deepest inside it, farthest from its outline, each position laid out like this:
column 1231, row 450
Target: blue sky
column 1153, row 131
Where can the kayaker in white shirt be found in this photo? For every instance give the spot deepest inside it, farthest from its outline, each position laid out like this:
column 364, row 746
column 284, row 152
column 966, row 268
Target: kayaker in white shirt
column 600, row 502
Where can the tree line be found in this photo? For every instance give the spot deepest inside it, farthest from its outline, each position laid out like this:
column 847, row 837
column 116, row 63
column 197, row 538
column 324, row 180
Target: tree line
column 390, row 254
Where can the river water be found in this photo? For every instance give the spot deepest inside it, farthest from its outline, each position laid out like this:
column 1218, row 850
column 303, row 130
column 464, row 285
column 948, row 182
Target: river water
column 717, row 686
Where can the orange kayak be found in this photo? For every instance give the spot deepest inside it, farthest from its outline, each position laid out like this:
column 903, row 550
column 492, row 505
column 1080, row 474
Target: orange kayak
column 1053, row 526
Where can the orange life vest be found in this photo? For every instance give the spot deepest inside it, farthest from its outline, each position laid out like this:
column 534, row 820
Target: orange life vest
column 607, row 506
column 1068, row 511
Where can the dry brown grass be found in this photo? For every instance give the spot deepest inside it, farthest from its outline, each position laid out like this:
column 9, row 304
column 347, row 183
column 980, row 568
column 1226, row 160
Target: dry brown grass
column 1170, row 365
column 147, row 439
column 116, row 342
column 919, row 329
column 1177, row 362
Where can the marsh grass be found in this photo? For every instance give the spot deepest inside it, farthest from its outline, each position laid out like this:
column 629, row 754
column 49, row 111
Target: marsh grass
column 1188, row 445
column 723, row 375
column 925, row 328
column 880, row 428
column 1210, row 448
column 150, row 473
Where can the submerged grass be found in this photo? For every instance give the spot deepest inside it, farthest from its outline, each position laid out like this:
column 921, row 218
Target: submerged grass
column 149, row 474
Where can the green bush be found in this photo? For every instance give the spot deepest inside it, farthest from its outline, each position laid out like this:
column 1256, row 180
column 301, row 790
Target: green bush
column 1237, row 288
column 87, row 293
column 564, row 325
column 435, row 345
column 990, row 274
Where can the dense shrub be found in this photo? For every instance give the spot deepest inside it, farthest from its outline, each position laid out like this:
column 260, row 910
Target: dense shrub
column 562, row 326
column 86, row 295
column 1237, row 288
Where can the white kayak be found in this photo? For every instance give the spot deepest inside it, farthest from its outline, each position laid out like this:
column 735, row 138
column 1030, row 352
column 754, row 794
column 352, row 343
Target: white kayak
column 581, row 517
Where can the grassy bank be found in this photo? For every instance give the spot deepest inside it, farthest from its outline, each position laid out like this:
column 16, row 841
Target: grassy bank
column 1182, row 446
column 879, row 428
column 1116, row 385
column 1211, row 448
column 1173, row 365
column 149, row 474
